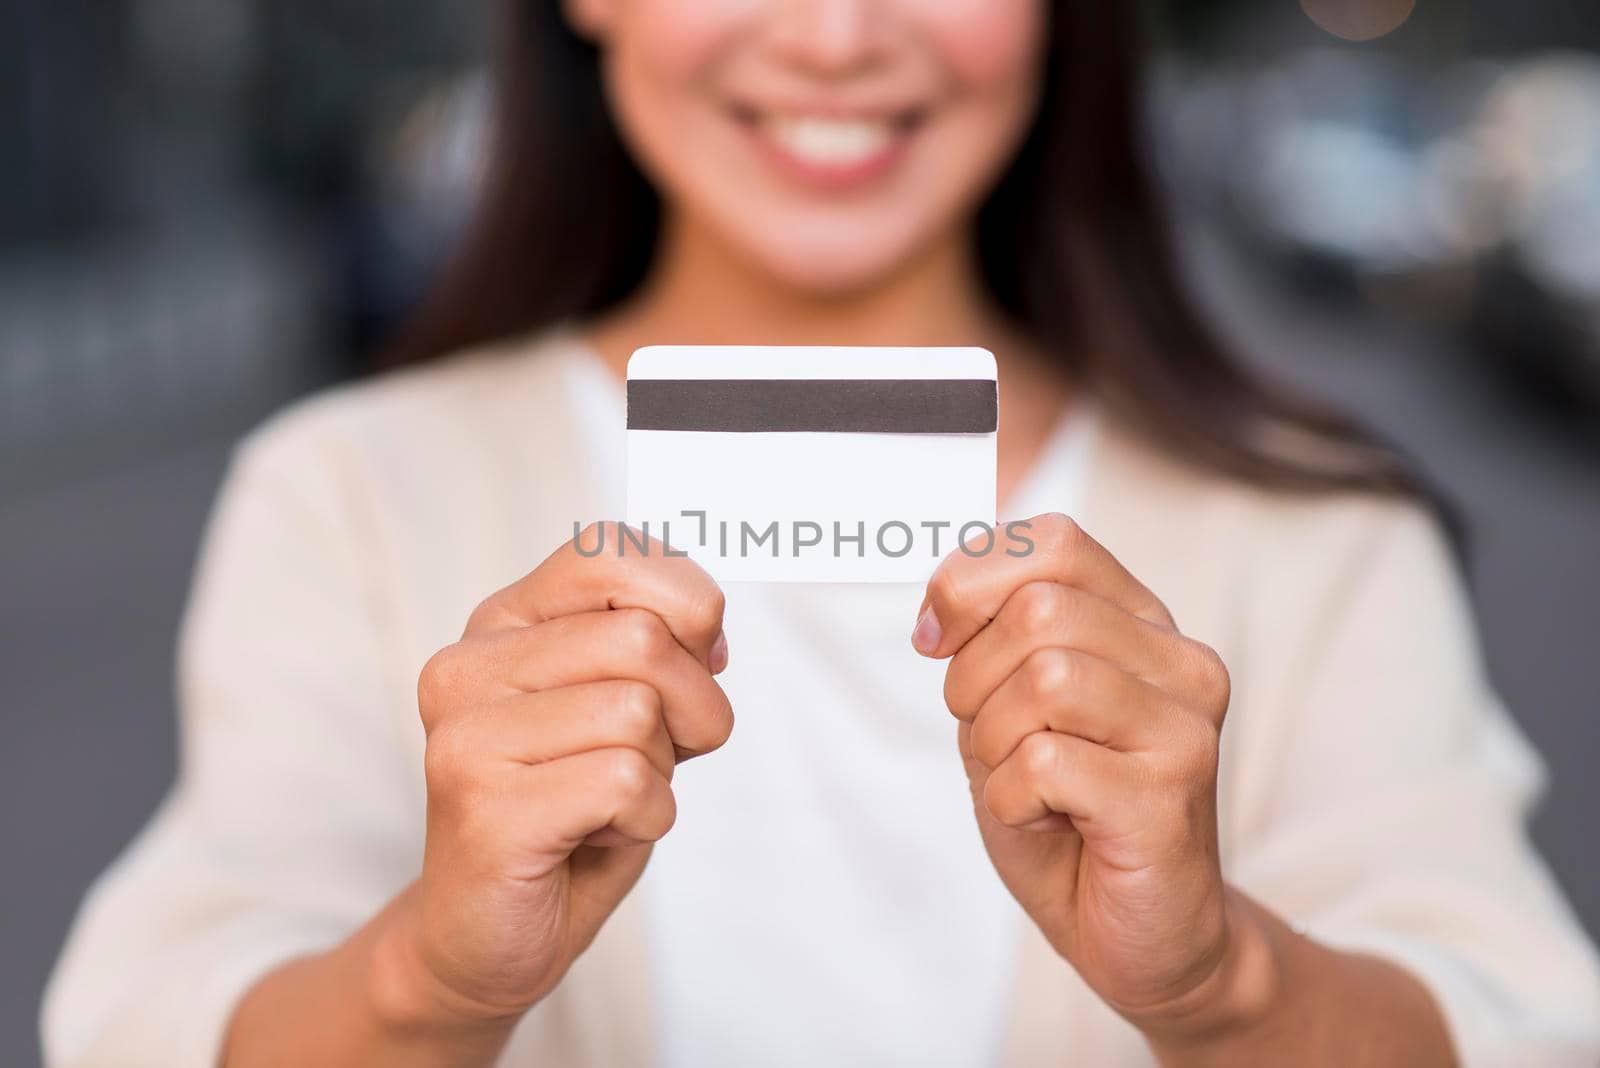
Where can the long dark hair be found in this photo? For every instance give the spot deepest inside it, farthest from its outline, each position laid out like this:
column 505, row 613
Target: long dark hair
column 1073, row 244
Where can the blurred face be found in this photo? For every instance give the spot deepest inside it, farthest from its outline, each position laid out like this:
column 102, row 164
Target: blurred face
column 826, row 142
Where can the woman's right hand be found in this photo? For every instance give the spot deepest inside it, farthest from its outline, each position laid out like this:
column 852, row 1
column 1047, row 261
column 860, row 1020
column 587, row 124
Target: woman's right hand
column 553, row 727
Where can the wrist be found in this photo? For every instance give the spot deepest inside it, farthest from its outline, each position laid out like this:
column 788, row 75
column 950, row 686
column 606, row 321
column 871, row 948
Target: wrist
column 408, row 1000
column 1240, row 995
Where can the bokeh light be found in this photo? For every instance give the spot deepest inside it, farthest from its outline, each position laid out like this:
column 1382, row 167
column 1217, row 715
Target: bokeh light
column 1358, row 20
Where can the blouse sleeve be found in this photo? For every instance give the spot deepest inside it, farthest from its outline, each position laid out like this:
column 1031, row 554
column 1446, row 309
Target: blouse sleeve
column 289, row 823
column 1395, row 814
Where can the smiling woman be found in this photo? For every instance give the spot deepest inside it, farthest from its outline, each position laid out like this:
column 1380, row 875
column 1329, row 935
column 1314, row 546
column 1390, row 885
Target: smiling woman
column 1226, row 783
column 1008, row 130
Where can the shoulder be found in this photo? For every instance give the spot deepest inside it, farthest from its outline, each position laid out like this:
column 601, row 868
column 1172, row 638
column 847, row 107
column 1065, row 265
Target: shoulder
column 427, row 405
column 1336, row 539
column 412, row 419
column 457, row 475
column 1243, row 558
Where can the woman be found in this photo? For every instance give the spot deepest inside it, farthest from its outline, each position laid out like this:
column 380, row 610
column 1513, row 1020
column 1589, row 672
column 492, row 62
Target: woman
column 1339, row 876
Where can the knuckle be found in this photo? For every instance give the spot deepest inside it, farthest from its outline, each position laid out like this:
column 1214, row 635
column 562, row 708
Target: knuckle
column 486, row 614
column 628, row 773
column 1040, row 758
column 714, row 729
column 599, row 532
column 669, row 814
column 706, row 610
column 663, row 814
column 594, row 550
column 1039, row 606
column 956, row 698
column 1049, row 672
column 987, row 743
column 638, row 708
column 1061, row 533
column 644, row 636
column 441, row 681
column 1216, row 686
column 721, row 726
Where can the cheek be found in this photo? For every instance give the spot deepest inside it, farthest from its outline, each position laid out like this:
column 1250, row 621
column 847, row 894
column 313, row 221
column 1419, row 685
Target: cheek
column 991, row 53
column 672, row 40
column 660, row 59
column 983, row 44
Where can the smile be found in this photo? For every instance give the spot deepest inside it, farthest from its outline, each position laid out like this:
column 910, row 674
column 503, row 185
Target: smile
column 830, row 151
column 829, row 142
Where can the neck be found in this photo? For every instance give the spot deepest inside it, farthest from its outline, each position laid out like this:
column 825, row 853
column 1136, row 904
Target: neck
column 700, row 292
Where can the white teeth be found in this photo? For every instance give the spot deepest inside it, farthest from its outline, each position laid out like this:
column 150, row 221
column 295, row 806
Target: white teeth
column 829, row 142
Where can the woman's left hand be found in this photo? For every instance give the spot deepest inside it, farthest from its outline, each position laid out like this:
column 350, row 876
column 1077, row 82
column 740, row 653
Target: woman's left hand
column 1089, row 729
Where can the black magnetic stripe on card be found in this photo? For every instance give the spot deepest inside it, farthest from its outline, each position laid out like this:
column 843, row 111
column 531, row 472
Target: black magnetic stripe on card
column 836, row 405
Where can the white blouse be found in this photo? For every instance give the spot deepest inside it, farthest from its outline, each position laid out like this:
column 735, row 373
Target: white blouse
column 824, row 896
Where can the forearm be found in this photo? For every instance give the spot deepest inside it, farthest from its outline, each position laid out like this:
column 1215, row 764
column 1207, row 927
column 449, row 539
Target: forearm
column 359, row 1004
column 1282, row 998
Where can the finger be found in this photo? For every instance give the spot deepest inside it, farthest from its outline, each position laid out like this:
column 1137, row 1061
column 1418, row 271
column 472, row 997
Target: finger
column 1073, row 693
column 978, row 779
column 626, row 643
column 1046, row 615
column 535, row 728
column 575, row 799
column 967, row 591
column 1059, row 773
column 605, row 567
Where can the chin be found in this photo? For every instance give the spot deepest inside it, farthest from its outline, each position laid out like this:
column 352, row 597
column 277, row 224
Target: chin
column 830, row 269
column 830, row 278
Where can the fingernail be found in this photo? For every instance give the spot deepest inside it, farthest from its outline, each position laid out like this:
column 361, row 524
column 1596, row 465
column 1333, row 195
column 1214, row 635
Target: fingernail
column 925, row 638
column 719, row 654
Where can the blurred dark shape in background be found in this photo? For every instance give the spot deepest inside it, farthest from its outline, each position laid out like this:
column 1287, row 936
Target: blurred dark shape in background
column 208, row 207
column 1466, row 193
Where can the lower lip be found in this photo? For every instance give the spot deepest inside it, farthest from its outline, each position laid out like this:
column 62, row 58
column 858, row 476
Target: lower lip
column 830, row 176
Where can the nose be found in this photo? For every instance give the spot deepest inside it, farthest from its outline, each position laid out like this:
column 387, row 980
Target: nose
column 829, row 36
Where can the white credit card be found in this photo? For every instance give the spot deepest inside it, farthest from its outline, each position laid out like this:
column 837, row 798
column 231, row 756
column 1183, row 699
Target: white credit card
column 779, row 464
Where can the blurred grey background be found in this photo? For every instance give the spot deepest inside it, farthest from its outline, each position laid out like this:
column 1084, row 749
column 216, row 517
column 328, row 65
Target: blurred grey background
column 208, row 207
